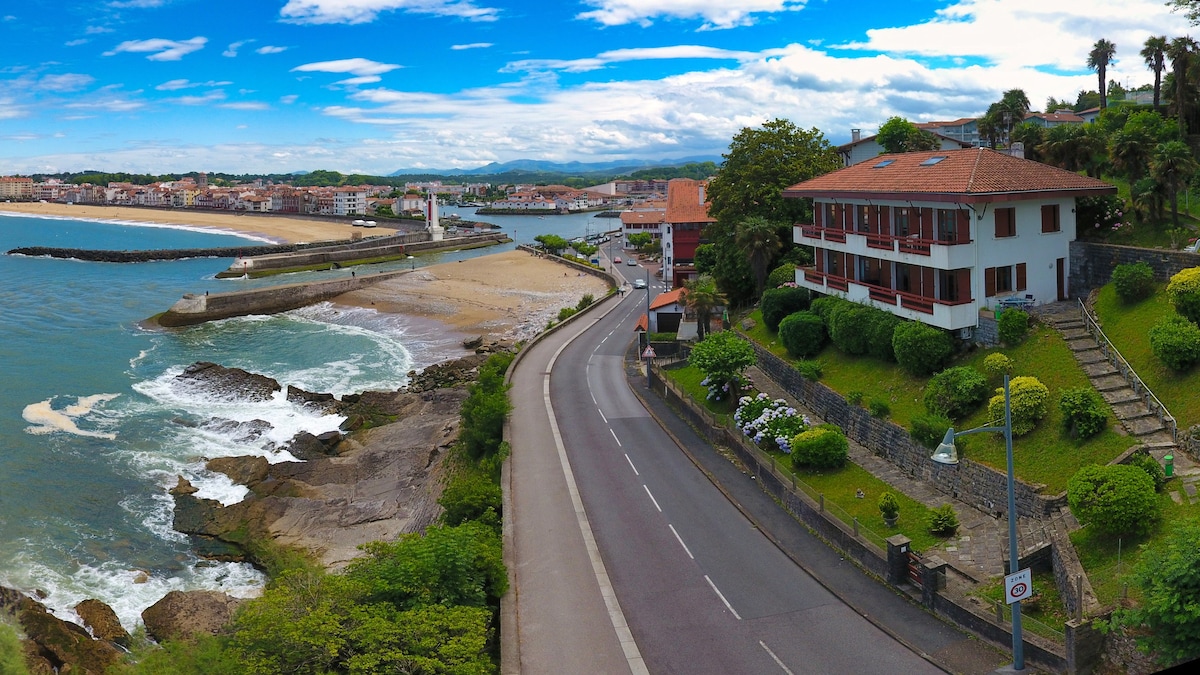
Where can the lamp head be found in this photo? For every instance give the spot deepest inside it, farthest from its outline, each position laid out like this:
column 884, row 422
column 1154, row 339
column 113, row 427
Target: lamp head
column 946, row 453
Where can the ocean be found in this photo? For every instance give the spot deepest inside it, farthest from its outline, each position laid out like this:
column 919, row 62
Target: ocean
column 94, row 432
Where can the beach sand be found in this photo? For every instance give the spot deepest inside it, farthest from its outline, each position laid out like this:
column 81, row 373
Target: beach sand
column 509, row 295
column 282, row 229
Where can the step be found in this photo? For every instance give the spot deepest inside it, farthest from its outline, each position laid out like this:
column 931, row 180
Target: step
column 1144, row 426
column 1070, row 324
column 1160, row 448
column 1081, row 344
column 1074, row 333
column 1090, row 356
column 1109, row 383
column 1100, row 369
column 1131, row 410
column 1118, row 396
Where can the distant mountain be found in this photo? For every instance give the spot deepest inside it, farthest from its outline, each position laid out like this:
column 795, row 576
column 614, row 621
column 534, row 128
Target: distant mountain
column 539, row 166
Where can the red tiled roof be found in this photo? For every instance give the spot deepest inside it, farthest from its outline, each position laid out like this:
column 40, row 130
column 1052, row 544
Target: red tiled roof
column 629, row 217
column 1061, row 117
column 683, row 202
column 668, row 298
column 642, row 323
column 964, row 176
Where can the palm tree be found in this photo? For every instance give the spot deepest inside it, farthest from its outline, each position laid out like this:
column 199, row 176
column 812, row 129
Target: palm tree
column 1129, row 149
column 1012, row 107
column 1154, row 52
column 1173, row 166
column 701, row 296
column 1179, row 51
column 758, row 238
column 1098, row 59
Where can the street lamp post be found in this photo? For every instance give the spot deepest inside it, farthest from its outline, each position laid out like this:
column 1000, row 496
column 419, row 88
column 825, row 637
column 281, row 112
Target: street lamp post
column 412, row 262
column 647, row 326
column 947, row 454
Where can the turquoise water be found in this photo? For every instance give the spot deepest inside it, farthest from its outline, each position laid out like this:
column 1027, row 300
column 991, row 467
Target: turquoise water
column 89, row 414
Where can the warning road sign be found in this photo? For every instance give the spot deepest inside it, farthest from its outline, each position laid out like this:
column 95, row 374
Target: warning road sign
column 649, row 353
column 1018, row 586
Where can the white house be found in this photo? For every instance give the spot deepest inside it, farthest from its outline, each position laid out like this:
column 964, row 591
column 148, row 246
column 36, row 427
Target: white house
column 937, row 236
column 860, row 149
column 349, row 202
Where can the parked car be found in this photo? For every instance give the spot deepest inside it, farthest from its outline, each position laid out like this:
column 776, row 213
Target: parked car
column 639, row 283
column 631, row 262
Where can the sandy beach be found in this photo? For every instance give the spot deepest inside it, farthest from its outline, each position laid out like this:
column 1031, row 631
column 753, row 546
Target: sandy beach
column 282, row 229
column 509, row 295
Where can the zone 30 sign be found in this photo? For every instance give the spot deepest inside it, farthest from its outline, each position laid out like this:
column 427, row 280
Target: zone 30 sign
column 1018, row 586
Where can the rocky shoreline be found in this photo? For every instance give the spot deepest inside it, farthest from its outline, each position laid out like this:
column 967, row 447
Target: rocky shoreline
column 377, row 477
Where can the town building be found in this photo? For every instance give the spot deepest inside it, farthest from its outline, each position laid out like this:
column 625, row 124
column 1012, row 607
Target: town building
column 16, row 187
column 686, row 218
column 938, row 236
column 860, row 148
column 649, row 218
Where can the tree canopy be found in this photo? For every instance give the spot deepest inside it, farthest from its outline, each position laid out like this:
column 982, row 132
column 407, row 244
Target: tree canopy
column 899, row 135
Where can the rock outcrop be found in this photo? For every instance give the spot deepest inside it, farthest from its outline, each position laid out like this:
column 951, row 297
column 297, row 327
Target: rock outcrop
column 54, row 645
column 186, row 614
column 229, row 383
column 103, row 622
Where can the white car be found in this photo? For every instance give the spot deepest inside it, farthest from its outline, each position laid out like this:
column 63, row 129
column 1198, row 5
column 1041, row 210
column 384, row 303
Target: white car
column 631, row 262
column 639, row 283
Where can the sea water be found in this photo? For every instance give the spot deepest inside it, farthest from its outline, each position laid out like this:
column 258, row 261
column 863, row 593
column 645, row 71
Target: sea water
column 95, row 431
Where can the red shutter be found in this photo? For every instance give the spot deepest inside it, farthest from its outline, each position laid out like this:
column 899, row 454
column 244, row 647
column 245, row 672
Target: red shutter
column 885, row 273
column 851, row 272
column 820, row 256
column 1048, row 218
column 1020, row 276
column 818, row 212
column 927, row 282
column 963, row 283
column 837, row 217
column 926, row 222
column 989, row 282
column 963, row 227
column 885, row 220
column 873, row 219
column 848, row 218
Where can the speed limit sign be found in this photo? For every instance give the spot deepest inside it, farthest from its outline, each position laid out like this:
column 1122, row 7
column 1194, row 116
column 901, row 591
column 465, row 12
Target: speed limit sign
column 1018, row 586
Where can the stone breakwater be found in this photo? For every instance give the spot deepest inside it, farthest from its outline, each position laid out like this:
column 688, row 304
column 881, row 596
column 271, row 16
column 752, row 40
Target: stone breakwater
column 151, row 256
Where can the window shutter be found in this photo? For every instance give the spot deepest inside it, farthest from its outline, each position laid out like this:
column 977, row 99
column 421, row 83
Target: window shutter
column 818, row 211
column 885, row 220
column 963, row 227
column 1020, row 276
column 964, row 285
column 873, row 219
column 989, row 282
column 926, row 222
column 1050, row 218
column 1001, row 216
column 927, row 282
column 820, row 256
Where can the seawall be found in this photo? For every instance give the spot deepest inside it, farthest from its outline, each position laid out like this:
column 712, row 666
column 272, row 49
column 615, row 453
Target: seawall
column 393, row 247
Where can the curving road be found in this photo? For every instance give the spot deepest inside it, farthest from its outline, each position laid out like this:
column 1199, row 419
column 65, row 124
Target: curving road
column 625, row 556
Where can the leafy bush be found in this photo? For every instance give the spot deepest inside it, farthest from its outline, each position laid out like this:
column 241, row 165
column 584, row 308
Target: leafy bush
column 879, row 408
column 485, row 409
column 825, row 307
column 12, row 657
column 846, row 329
column 1168, row 575
column 722, row 357
column 821, row 447
column 1084, row 413
column 880, row 328
column 778, row 303
column 1013, row 324
column 955, row 392
column 784, row 274
column 1147, row 463
column 1133, row 281
column 771, row 424
column 855, row 397
column 585, row 302
column 472, row 496
column 929, row 429
column 997, row 365
column 1176, row 342
column 942, row 521
column 566, row 313
column 802, row 334
column 889, row 506
column 1184, row 293
column 921, row 349
column 809, row 370
column 1028, row 398
column 1115, row 499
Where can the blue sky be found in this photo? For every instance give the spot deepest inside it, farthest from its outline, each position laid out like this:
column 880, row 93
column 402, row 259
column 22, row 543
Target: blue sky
column 378, row 85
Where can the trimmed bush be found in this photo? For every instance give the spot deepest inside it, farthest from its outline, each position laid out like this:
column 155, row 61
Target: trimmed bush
column 1028, row 401
column 921, row 349
column 930, row 429
column 821, row 447
column 1084, row 413
column 846, row 326
column 879, row 408
column 1184, row 293
column 1147, row 463
column 955, row 392
column 826, row 306
column 802, row 334
column 1176, row 342
column 784, row 274
column 1133, row 281
column 1013, row 324
column 942, row 521
column 778, row 303
column 809, row 370
column 996, row 365
column 880, row 329
column 889, row 506
column 1115, row 499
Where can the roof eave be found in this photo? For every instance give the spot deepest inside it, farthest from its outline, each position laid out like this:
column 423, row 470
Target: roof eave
column 955, row 197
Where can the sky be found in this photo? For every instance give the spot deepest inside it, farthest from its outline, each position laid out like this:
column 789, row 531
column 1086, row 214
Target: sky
column 375, row 86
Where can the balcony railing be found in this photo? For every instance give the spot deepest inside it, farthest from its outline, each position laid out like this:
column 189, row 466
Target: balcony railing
column 881, row 294
column 912, row 243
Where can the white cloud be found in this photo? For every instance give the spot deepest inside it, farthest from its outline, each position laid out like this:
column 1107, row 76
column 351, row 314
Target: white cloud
column 97, row 30
column 620, row 55
column 137, row 4
column 716, row 14
column 161, row 49
column 356, row 66
column 176, row 85
column 232, row 50
column 76, row 43
column 245, row 105
column 270, row 49
column 211, row 97
column 355, row 81
column 473, row 45
column 289, row 99
column 366, row 11
column 107, row 104
column 10, row 109
column 65, row 82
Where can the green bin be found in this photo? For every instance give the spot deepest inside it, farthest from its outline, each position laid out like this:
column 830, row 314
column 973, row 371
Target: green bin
column 1169, row 465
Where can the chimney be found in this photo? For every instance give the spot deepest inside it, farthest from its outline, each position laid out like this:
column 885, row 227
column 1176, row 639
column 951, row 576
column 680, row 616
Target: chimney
column 855, row 135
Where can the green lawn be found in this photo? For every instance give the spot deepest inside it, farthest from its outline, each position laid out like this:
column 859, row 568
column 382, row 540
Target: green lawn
column 1127, row 327
column 689, row 378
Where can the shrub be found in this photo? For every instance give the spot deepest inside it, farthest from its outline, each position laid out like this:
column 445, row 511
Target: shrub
column 889, row 506
column 1184, row 293
column 566, row 313
column 785, row 273
column 879, row 409
column 929, row 429
column 809, row 370
column 855, row 397
column 1013, row 324
column 1147, row 463
column 802, row 334
column 1176, row 342
column 921, row 349
column 997, row 365
column 722, row 357
column 942, row 521
column 825, row 307
column 771, row 424
column 1028, row 398
column 1084, row 413
column 880, row 327
column 821, row 447
column 585, row 301
column 1133, row 281
column 955, row 392
column 846, row 326
column 778, row 303
column 471, row 497
column 1168, row 575
column 1115, row 499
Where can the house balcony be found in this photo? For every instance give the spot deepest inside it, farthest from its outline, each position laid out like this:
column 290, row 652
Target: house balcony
column 912, row 249
column 947, row 314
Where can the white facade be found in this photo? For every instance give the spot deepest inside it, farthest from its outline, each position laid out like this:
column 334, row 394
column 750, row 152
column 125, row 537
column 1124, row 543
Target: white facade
column 349, row 202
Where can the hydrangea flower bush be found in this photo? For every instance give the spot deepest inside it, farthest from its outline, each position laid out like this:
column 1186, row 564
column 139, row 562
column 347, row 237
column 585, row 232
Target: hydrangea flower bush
column 770, row 423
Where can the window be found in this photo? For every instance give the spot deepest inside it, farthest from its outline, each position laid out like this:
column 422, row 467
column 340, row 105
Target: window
column 860, row 217
column 834, row 259
column 902, row 226
column 831, row 217
column 933, row 160
column 947, row 223
column 1006, row 222
column 1001, row 280
column 1050, row 218
column 1004, row 280
column 883, row 164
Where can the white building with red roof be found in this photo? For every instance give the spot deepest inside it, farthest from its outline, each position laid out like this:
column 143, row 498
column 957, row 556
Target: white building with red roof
column 937, row 236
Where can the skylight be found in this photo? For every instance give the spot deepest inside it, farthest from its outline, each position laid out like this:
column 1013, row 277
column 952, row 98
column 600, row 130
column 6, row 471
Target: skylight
column 933, row 160
column 883, row 164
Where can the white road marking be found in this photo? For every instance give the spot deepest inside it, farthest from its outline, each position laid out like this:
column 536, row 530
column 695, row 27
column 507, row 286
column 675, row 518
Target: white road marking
column 647, row 488
column 685, row 548
column 635, row 471
column 602, row 415
column 722, row 597
column 777, row 661
column 615, row 436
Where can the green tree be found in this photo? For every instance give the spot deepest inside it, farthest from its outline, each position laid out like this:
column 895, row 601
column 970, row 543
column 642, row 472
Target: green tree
column 12, row 657
column 1180, row 51
column 640, row 240
column 1173, row 167
column 759, row 241
column 1115, row 499
column 1030, row 135
column 722, row 357
column 702, row 297
column 485, row 409
column 899, row 135
column 1154, row 52
column 1027, row 401
column 552, row 243
column 1129, row 151
column 1098, row 59
column 1167, row 620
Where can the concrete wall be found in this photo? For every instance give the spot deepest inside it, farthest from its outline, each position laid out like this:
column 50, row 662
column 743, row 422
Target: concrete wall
column 394, row 246
column 1092, row 263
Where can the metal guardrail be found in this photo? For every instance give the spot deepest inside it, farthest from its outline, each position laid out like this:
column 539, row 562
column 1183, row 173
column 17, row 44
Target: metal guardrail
column 1139, row 387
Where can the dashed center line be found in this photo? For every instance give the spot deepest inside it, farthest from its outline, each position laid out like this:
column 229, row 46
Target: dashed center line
column 777, row 661
column 635, row 471
column 680, row 539
column 602, row 415
column 615, row 436
column 722, row 597
column 647, row 488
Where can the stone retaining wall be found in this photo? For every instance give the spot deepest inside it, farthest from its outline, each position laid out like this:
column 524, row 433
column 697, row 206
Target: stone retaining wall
column 1092, row 263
